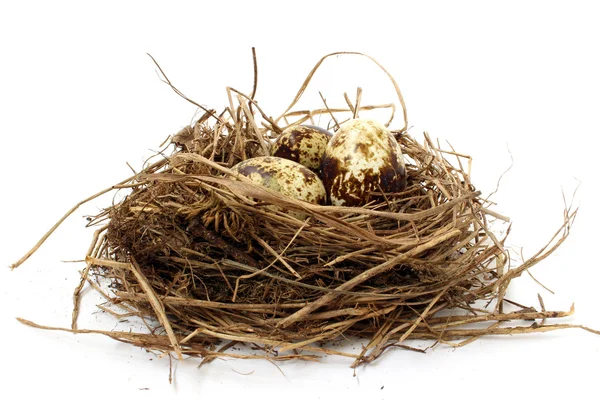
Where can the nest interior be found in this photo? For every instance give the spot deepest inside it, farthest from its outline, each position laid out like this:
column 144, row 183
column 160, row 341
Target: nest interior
column 216, row 258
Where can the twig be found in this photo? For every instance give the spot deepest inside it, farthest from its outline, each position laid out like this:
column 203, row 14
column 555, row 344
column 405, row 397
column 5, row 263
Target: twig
column 72, row 210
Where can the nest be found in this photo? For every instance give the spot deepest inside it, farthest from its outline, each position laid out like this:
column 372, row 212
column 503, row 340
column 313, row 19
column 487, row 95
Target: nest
column 217, row 260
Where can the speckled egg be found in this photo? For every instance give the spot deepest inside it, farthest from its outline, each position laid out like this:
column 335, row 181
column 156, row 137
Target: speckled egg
column 362, row 157
column 284, row 176
column 304, row 144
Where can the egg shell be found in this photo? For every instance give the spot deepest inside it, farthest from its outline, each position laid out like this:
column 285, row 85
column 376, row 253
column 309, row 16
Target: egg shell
column 304, row 144
column 284, row 176
column 362, row 157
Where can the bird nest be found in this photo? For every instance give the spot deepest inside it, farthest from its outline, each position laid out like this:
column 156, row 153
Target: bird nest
column 203, row 252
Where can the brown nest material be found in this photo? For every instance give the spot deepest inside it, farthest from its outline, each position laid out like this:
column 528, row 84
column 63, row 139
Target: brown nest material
column 204, row 252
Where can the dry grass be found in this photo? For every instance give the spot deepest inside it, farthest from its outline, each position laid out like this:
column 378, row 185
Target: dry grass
column 202, row 251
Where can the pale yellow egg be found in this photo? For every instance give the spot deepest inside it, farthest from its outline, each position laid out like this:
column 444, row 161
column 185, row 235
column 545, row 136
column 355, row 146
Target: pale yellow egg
column 284, row 176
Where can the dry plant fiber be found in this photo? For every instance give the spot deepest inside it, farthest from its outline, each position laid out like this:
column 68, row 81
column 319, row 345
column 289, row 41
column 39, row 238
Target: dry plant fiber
column 216, row 260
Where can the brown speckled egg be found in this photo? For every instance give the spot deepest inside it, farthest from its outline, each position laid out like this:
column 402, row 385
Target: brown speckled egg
column 304, row 144
column 362, row 157
column 284, row 176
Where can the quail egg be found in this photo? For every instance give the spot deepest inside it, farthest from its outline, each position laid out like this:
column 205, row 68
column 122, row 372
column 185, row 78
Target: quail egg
column 304, row 144
column 284, row 176
column 362, row 157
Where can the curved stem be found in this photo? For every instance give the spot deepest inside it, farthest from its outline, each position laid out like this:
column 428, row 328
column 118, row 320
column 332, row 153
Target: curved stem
column 316, row 67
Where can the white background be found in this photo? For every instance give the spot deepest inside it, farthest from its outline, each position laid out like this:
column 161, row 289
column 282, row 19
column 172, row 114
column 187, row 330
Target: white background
column 79, row 98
